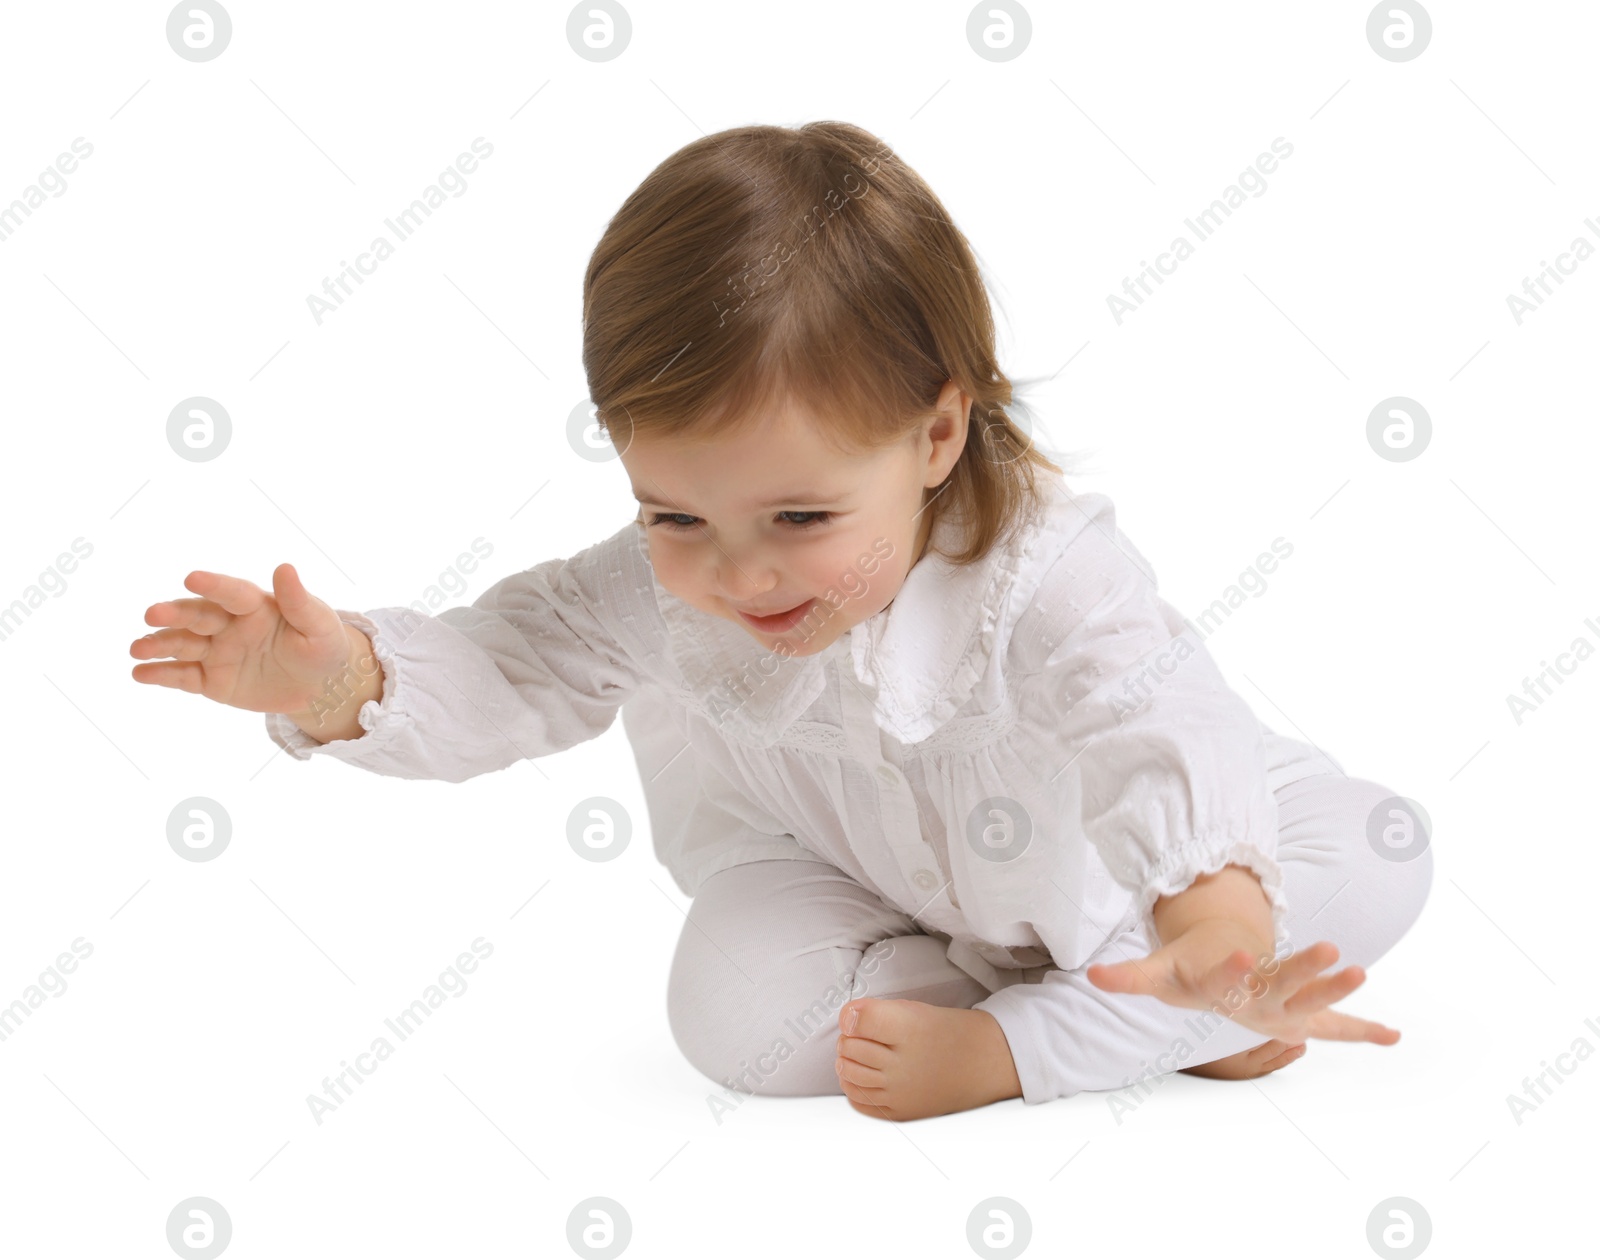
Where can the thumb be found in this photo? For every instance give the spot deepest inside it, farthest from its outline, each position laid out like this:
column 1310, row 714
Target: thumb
column 300, row 608
column 1129, row 976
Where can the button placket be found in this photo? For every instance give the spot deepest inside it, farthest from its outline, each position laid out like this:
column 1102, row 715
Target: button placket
column 915, row 857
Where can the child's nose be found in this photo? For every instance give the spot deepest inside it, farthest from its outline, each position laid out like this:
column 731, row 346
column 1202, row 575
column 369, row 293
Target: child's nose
column 744, row 578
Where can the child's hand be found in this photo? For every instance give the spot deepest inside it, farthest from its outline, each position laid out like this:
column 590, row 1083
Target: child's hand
column 243, row 647
column 1211, row 964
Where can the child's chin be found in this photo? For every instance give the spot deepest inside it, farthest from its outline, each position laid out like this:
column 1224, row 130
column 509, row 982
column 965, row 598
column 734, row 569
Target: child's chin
column 801, row 641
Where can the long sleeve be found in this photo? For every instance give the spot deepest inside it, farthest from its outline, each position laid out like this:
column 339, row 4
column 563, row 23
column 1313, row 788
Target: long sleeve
column 1166, row 762
column 532, row 667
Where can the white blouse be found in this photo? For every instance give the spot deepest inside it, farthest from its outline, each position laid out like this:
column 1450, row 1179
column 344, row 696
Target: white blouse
column 1023, row 754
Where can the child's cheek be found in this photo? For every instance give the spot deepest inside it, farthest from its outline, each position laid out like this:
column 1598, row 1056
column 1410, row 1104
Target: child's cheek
column 666, row 568
column 856, row 578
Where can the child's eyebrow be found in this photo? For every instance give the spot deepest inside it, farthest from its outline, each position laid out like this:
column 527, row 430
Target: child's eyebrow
column 803, row 497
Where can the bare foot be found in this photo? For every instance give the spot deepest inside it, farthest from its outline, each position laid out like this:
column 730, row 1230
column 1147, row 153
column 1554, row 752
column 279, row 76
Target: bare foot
column 1269, row 1056
column 904, row 1060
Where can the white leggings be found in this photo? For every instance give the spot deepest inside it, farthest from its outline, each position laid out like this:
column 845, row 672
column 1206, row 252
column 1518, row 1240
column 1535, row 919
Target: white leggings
column 773, row 949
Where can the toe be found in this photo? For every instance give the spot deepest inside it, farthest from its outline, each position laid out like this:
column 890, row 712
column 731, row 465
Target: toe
column 868, row 1053
column 884, row 1020
column 858, row 1074
column 862, row 1101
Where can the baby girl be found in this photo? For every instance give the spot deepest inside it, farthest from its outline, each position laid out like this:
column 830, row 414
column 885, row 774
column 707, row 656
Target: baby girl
column 966, row 810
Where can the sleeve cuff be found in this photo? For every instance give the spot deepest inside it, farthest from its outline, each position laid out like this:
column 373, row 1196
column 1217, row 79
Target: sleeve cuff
column 1206, row 855
column 380, row 718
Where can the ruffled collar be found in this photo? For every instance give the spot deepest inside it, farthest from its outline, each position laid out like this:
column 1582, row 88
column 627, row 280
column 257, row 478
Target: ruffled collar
column 920, row 658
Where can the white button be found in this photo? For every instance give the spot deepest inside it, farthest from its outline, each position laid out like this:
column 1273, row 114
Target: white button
column 925, row 880
column 887, row 774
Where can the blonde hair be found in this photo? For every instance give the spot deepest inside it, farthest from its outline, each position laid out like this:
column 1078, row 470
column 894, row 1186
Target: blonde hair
column 763, row 264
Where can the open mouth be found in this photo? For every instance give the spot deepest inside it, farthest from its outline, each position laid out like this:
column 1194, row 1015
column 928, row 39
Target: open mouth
column 777, row 623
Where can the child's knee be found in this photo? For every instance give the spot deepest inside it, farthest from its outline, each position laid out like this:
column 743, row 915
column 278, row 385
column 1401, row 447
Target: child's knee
column 1359, row 868
column 1400, row 837
column 722, row 1049
column 735, row 1062
column 741, row 1035
column 1421, row 882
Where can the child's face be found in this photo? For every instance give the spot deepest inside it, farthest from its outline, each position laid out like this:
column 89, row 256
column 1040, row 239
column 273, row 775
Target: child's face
column 743, row 500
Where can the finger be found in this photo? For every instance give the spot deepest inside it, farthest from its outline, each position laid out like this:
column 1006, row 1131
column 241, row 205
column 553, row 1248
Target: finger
column 1283, row 1058
column 1299, row 968
column 1227, row 974
column 1130, row 976
column 203, row 616
column 236, row 595
column 299, row 607
column 1336, row 1026
column 180, row 676
column 1325, row 991
column 1216, row 982
column 184, row 645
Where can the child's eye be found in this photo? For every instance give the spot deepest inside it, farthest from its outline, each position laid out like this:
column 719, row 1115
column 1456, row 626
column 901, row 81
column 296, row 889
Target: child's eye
column 817, row 518
column 669, row 519
column 659, row 519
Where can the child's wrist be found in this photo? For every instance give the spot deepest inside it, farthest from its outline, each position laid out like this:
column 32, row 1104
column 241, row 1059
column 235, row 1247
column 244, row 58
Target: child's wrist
column 1233, row 894
column 332, row 715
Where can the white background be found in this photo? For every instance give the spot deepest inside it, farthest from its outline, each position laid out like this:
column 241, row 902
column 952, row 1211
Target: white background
column 1229, row 410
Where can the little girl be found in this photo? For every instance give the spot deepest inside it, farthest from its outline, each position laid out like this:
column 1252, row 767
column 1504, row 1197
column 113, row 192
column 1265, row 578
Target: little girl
column 966, row 810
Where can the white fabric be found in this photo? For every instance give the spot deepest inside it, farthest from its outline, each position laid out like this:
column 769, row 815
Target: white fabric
column 1049, row 674
column 770, row 951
